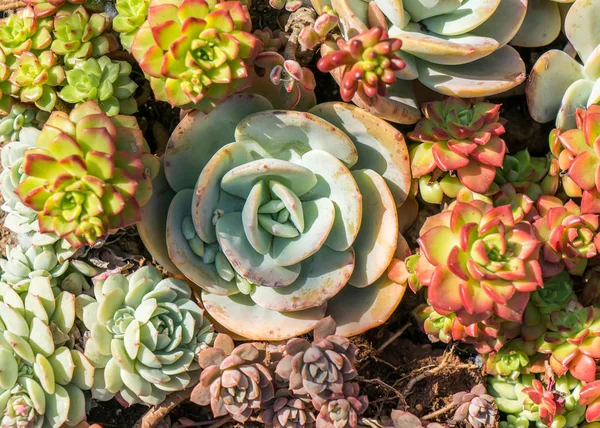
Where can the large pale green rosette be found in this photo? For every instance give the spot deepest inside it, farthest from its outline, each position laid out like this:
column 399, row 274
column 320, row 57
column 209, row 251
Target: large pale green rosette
column 282, row 217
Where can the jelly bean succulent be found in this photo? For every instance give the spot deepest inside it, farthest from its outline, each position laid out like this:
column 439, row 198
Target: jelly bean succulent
column 103, row 81
column 131, row 15
column 88, row 174
column 36, row 76
column 569, row 238
column 234, row 380
column 42, row 376
column 80, row 35
column 22, row 32
column 477, row 261
column 572, row 341
column 579, row 158
column 461, row 137
column 196, row 53
column 368, row 62
column 475, row 407
column 296, row 216
column 145, row 334
column 560, row 84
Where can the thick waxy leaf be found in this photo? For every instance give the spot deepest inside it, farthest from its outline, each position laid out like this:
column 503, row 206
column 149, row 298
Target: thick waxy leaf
column 505, row 22
column 541, row 25
column 258, row 237
column 257, row 268
column 576, row 96
column 240, row 315
column 57, row 406
column 10, row 369
column 376, row 242
column 581, row 26
column 468, row 16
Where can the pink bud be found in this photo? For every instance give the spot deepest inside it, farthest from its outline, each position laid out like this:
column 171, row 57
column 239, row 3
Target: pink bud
column 325, row 23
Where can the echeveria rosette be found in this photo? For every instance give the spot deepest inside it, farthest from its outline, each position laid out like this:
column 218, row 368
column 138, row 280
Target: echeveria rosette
column 549, row 403
column 343, row 410
column 103, row 81
column 288, row 410
column 145, row 334
column 573, row 341
column 88, row 174
column 234, row 380
column 251, row 225
column 79, row 35
column 22, row 32
column 569, row 238
column 477, row 261
column 460, row 136
column 578, row 154
column 36, row 76
column 131, row 15
column 513, row 359
column 368, row 62
column 43, row 377
column 196, row 52
column 475, row 407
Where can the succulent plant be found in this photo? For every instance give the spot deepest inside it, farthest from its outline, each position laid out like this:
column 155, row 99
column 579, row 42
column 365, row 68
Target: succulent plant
column 87, row 174
column 368, row 63
column 103, row 81
column 252, row 226
column 513, row 359
column 288, row 410
column 439, row 328
column 590, row 397
column 43, row 8
column 79, row 35
column 575, row 150
column 548, row 401
column 569, row 238
column 572, row 341
column 559, row 84
column 19, row 117
column 234, row 380
column 476, row 261
column 36, row 76
column 145, row 334
column 42, row 376
column 510, row 400
column 542, row 23
column 22, row 31
column 311, row 36
column 320, row 369
column 404, row 419
column 342, row 410
column 475, row 407
column 271, row 41
column 21, row 266
column 7, row 89
column 196, row 53
column 461, row 136
column 289, row 5
column 131, row 15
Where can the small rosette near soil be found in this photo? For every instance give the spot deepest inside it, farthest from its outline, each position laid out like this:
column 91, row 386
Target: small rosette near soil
column 281, row 216
column 146, row 332
column 87, row 174
column 195, row 52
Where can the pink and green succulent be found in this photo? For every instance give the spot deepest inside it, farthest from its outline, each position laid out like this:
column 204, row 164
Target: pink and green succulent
column 79, row 35
column 578, row 153
column 22, row 32
column 573, row 341
column 367, row 63
column 88, row 174
column 477, row 261
column 7, row 89
column 590, row 397
column 548, row 401
column 36, row 76
column 103, row 81
column 312, row 36
column 569, row 238
column 131, row 15
column 43, row 8
column 196, row 52
column 515, row 358
column 462, row 137
column 289, row 5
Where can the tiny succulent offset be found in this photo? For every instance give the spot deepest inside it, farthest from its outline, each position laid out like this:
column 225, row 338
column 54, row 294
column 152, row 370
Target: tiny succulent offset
column 131, row 15
column 475, row 407
column 145, row 335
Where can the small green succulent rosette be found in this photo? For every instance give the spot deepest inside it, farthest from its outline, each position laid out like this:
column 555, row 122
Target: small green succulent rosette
column 146, row 332
column 281, row 216
column 104, row 81
column 43, row 377
column 131, row 15
column 23, row 32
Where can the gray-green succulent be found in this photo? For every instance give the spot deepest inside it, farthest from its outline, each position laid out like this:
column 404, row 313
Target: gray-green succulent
column 19, row 117
column 145, row 333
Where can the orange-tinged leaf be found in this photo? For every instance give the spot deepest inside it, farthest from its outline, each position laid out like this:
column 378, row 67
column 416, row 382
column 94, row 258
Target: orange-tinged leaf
column 437, row 243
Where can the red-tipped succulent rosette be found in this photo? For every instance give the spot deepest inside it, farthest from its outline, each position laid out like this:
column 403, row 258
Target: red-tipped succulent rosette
column 477, row 261
column 590, row 397
column 578, row 153
column 369, row 62
column 462, row 136
column 196, row 52
column 87, row 174
column 569, row 238
column 549, row 402
column 573, row 341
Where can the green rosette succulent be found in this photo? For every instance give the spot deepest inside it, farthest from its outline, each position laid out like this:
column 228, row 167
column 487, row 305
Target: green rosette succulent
column 104, row 81
column 44, row 8
column 43, row 377
column 79, row 35
column 88, row 174
column 297, row 215
column 19, row 117
column 196, row 52
column 145, row 335
column 36, row 76
column 7, row 89
column 131, row 15
column 513, row 359
column 22, row 32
